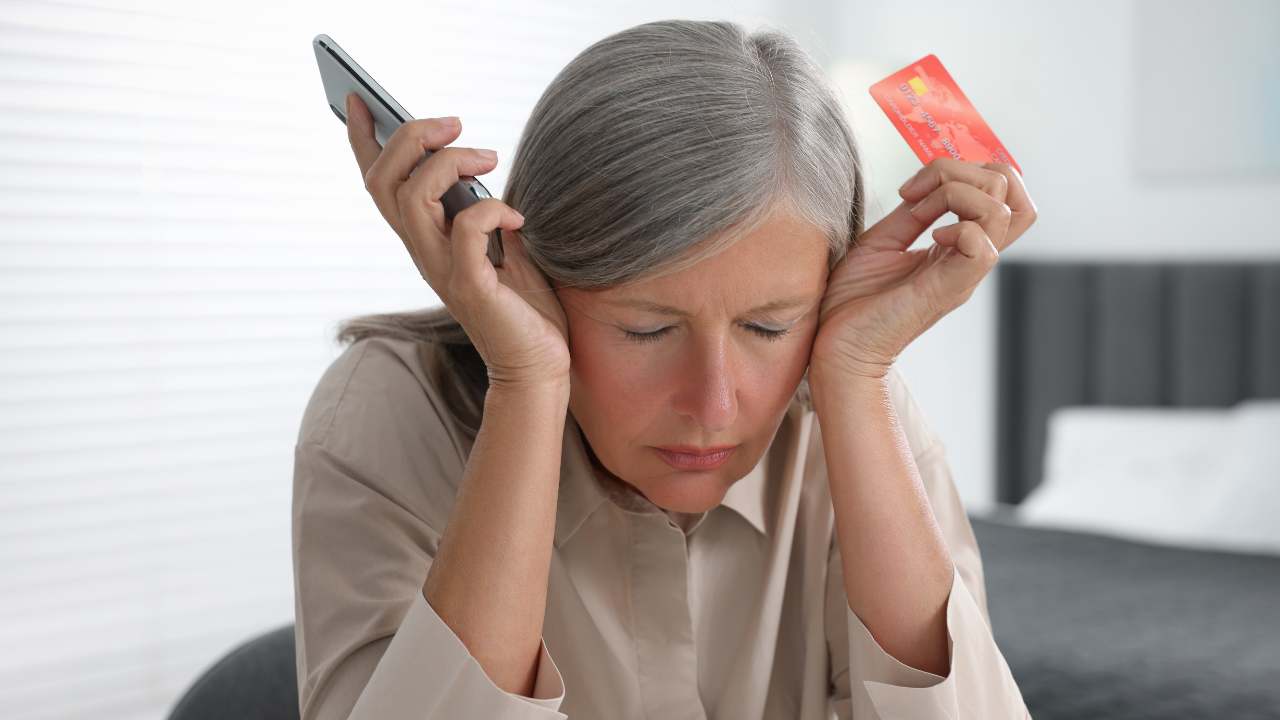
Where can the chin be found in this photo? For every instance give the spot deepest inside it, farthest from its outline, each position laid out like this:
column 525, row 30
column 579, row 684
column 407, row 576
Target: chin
column 691, row 506
column 688, row 492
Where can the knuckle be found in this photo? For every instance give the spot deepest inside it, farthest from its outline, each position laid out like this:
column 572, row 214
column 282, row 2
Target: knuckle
column 399, row 133
column 422, row 132
column 999, row 181
column 464, row 219
column 454, row 158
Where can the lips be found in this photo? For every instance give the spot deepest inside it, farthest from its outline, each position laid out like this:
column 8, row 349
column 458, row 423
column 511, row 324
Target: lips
column 691, row 450
column 699, row 459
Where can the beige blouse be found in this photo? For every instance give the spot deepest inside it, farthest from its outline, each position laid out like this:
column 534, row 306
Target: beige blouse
column 739, row 612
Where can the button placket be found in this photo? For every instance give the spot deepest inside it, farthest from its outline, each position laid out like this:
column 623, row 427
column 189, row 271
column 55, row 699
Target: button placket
column 666, row 653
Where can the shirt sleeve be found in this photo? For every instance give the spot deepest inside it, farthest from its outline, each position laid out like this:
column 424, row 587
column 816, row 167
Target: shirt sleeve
column 868, row 682
column 369, row 644
column 365, row 514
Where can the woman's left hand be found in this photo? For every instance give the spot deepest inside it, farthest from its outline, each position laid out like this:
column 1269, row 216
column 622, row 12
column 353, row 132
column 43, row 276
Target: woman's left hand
column 881, row 295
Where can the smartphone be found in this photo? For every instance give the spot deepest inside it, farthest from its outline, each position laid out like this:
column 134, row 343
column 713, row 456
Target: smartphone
column 341, row 75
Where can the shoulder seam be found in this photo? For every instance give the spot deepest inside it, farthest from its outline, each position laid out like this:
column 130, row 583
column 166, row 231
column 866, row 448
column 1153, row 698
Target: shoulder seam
column 323, row 435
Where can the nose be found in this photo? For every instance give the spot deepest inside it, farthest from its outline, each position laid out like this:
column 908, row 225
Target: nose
column 708, row 393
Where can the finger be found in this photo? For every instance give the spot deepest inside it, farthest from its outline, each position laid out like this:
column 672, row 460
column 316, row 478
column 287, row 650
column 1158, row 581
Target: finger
column 1018, row 200
column 470, row 270
column 405, row 149
column 373, row 161
column 420, row 195
column 518, row 270
column 360, row 134
column 968, row 203
column 951, row 281
column 445, row 168
column 945, row 169
column 963, row 238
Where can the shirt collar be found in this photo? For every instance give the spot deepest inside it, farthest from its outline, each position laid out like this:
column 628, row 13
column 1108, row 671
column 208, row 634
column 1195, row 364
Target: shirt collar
column 580, row 492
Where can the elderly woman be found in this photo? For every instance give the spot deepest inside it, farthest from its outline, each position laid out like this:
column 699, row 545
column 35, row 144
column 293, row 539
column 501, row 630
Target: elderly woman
column 658, row 463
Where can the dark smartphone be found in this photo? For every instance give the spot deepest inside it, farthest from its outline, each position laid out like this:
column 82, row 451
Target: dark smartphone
column 342, row 75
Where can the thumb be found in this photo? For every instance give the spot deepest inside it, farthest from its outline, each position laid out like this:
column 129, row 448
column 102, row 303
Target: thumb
column 360, row 133
column 522, row 274
column 959, row 273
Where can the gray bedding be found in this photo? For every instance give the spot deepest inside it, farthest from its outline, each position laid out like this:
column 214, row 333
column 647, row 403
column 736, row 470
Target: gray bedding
column 1109, row 629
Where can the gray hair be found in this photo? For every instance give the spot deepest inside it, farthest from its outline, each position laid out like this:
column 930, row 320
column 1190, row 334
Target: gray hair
column 654, row 148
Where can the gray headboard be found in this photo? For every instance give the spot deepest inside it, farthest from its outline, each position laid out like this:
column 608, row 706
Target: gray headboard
column 1126, row 333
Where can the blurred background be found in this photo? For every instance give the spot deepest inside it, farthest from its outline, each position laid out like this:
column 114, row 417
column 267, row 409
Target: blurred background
column 182, row 224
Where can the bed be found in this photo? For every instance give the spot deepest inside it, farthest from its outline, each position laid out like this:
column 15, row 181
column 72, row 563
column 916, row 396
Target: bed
column 1095, row 625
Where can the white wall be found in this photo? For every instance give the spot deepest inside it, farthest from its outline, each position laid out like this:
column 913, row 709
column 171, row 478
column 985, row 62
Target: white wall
column 1056, row 81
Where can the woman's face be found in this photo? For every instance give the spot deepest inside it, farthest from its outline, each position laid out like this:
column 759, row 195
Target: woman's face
column 712, row 377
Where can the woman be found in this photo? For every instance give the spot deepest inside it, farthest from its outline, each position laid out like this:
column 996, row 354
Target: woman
column 483, row 528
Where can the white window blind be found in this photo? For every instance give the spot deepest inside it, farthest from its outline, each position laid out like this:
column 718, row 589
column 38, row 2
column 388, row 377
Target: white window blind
column 182, row 224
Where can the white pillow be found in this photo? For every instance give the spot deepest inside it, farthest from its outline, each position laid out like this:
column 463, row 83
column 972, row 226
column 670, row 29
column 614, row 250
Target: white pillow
column 1246, row 513
column 1201, row 477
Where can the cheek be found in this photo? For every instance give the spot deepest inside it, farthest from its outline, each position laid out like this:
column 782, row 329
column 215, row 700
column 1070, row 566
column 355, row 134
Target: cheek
column 775, row 378
column 624, row 372
column 613, row 375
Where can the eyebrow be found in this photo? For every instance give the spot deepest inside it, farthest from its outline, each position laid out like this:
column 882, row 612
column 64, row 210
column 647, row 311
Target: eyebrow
column 653, row 307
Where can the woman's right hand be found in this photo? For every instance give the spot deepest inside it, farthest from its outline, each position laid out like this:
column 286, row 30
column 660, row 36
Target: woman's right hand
column 511, row 314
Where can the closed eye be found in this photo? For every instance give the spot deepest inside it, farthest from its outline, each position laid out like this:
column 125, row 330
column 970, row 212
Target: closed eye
column 657, row 334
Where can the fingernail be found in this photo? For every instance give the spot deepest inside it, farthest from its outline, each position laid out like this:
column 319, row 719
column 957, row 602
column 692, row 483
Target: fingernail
column 452, row 120
column 488, row 154
column 912, row 209
column 349, row 104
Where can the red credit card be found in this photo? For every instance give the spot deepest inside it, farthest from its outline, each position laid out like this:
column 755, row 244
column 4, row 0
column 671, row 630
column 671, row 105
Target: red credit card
column 935, row 118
